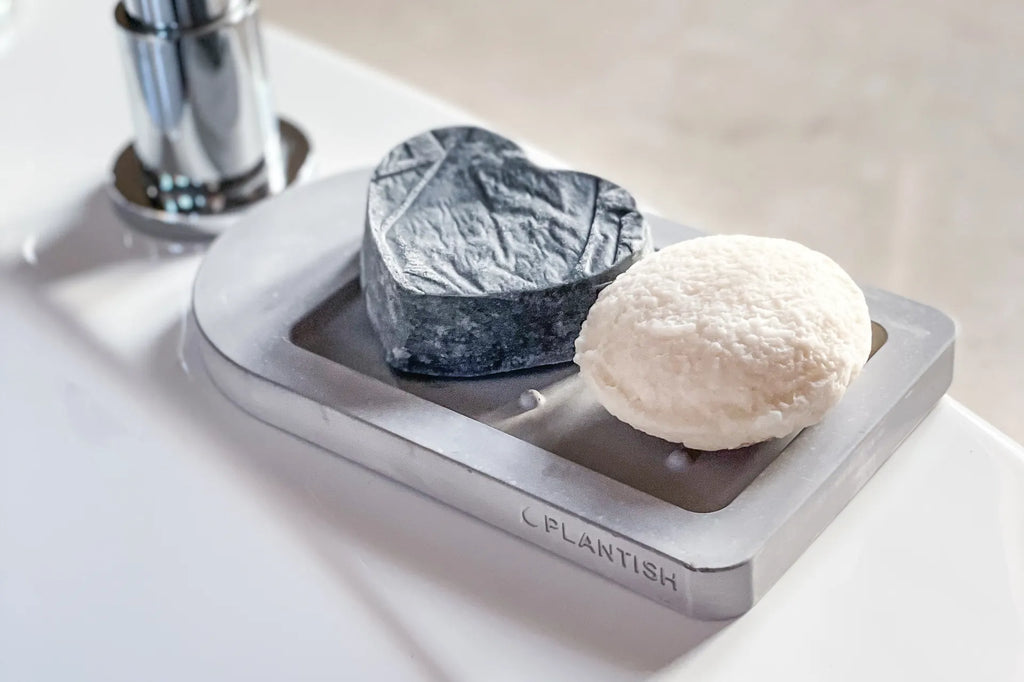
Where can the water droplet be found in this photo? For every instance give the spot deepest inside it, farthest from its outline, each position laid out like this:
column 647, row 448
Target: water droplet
column 183, row 347
column 28, row 250
column 531, row 399
column 183, row 351
column 677, row 460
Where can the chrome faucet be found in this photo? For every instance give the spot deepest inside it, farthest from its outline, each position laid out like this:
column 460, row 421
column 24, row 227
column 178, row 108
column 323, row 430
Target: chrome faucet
column 207, row 141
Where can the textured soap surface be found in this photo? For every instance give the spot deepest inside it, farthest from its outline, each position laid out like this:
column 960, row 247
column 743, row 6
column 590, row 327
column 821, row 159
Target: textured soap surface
column 723, row 341
column 475, row 261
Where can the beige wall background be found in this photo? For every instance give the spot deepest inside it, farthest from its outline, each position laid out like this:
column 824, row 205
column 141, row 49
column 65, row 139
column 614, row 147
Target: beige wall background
column 888, row 135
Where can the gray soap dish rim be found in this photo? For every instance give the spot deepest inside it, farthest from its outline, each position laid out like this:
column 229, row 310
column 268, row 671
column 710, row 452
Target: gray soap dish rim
column 727, row 558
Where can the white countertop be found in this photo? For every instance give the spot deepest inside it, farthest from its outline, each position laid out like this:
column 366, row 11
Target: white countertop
column 150, row 530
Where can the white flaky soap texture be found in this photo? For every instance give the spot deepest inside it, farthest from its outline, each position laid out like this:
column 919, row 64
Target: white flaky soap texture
column 723, row 341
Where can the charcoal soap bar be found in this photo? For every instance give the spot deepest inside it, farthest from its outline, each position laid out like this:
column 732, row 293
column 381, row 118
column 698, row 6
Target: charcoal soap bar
column 475, row 261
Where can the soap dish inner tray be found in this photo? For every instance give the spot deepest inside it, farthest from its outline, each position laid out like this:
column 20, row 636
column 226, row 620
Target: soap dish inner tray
column 285, row 335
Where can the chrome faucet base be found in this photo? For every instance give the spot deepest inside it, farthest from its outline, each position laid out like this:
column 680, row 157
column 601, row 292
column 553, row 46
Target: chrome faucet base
column 207, row 142
column 170, row 207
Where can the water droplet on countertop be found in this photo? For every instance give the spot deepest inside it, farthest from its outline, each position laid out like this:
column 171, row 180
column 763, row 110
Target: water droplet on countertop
column 28, row 250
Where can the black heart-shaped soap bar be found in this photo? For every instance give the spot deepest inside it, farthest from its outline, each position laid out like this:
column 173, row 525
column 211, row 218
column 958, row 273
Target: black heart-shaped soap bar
column 476, row 261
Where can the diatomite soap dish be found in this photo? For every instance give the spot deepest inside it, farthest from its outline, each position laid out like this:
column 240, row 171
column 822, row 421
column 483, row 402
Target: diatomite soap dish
column 285, row 334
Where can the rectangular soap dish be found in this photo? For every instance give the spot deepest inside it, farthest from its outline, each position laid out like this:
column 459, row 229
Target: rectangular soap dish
column 285, row 335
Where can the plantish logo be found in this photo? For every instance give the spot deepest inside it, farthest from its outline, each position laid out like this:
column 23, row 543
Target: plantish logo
column 600, row 548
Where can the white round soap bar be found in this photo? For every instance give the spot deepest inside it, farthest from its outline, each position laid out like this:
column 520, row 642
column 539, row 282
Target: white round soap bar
column 723, row 341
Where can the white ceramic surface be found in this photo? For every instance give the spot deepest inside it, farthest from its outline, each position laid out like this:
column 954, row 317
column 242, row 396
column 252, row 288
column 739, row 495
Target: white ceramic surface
column 150, row 530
